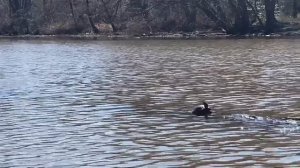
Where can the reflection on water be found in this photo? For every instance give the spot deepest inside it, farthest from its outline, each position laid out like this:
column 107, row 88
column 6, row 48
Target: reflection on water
column 127, row 103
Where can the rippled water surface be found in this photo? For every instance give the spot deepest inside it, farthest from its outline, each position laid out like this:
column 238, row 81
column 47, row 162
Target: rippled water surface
column 127, row 103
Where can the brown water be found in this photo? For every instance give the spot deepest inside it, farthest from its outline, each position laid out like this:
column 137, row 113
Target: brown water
column 127, row 103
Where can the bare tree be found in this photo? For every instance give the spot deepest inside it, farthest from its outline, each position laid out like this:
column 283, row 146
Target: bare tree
column 89, row 15
column 295, row 8
column 71, row 3
column 51, row 17
column 190, row 11
column 215, row 13
column 253, row 6
column 221, row 13
column 20, row 14
column 271, row 21
column 110, row 10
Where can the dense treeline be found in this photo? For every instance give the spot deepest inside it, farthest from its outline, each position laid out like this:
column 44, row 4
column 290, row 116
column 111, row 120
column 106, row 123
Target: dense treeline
column 143, row 16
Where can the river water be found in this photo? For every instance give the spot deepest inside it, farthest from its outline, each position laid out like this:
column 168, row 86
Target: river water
column 127, row 103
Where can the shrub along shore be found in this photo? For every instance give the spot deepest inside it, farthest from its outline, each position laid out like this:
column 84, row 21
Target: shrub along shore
column 159, row 36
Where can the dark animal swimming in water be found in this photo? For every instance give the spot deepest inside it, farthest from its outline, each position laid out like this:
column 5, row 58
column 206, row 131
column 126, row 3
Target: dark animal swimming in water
column 202, row 110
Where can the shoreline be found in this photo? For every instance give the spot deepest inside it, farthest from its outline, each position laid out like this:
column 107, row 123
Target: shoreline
column 157, row 36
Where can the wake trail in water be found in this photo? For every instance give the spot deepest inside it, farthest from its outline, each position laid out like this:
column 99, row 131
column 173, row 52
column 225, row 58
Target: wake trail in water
column 282, row 125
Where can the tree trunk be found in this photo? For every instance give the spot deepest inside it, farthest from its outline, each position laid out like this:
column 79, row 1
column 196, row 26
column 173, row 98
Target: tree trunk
column 44, row 9
column 254, row 9
column 20, row 15
column 271, row 21
column 190, row 11
column 243, row 22
column 295, row 9
column 73, row 13
column 94, row 28
column 211, row 13
column 114, row 28
column 111, row 9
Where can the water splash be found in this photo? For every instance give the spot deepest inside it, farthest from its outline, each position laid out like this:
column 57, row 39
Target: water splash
column 284, row 126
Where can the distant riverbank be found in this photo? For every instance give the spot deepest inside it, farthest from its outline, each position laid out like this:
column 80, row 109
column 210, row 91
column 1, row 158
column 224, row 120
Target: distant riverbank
column 159, row 36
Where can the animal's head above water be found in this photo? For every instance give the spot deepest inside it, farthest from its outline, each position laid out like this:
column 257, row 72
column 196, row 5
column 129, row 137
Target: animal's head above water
column 202, row 110
column 205, row 105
